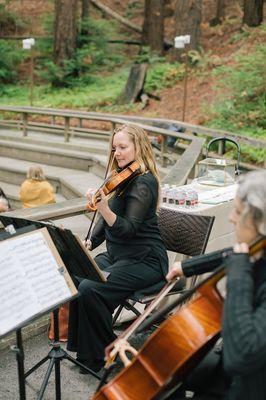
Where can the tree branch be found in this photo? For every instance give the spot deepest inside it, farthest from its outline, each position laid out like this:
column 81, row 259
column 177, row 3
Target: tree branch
column 98, row 4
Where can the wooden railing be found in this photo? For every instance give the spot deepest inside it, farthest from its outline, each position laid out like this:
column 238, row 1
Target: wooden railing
column 70, row 128
column 178, row 174
column 113, row 119
column 73, row 125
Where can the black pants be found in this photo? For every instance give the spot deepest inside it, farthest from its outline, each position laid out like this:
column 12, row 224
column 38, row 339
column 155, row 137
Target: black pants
column 90, row 319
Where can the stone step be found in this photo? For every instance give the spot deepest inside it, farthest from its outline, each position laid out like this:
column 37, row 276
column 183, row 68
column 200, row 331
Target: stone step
column 54, row 156
column 70, row 183
column 86, row 144
column 97, row 148
column 12, row 193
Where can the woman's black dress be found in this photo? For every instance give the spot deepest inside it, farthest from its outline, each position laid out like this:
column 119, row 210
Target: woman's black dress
column 135, row 259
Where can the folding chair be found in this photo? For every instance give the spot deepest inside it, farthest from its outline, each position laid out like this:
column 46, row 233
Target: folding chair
column 184, row 233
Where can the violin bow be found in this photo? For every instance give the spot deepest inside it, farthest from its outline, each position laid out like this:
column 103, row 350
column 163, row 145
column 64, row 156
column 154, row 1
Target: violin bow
column 110, row 162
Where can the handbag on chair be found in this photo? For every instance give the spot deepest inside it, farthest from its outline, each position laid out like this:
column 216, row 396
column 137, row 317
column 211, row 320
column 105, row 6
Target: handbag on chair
column 62, row 322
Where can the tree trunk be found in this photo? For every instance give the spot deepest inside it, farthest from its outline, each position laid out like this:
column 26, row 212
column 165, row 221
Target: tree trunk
column 84, row 9
column 65, row 30
column 134, row 85
column 84, row 21
column 220, row 12
column 253, row 12
column 188, row 19
column 153, row 25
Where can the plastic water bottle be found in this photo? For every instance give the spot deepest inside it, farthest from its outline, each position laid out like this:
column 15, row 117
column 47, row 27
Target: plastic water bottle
column 171, row 196
column 165, row 189
column 195, row 198
column 180, row 197
column 191, row 198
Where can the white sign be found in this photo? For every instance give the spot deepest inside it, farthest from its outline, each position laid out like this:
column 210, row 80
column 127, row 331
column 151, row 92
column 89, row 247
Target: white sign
column 180, row 41
column 28, row 43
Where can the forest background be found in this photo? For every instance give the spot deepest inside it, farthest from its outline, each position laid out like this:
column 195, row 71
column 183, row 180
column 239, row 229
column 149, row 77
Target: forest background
column 84, row 50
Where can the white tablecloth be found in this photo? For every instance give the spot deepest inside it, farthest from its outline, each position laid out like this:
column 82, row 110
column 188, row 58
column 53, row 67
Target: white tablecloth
column 217, row 202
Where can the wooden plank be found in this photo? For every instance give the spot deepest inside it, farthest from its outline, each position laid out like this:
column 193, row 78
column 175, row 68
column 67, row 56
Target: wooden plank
column 180, row 172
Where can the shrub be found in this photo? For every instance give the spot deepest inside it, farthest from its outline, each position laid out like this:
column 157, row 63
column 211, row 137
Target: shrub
column 244, row 85
column 162, row 75
column 10, row 57
column 10, row 22
column 92, row 52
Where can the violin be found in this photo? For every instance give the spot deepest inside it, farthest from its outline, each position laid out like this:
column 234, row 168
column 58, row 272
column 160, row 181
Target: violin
column 176, row 347
column 112, row 183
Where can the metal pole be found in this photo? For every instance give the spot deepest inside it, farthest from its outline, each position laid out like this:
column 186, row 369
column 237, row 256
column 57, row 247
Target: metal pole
column 20, row 361
column 185, row 85
column 57, row 359
column 31, row 76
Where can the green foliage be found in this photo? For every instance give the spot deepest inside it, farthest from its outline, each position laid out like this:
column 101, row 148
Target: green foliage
column 249, row 33
column 241, row 106
column 253, row 155
column 162, row 75
column 243, row 85
column 203, row 60
column 242, row 34
column 93, row 52
column 10, row 57
column 199, row 57
column 93, row 46
column 101, row 93
column 133, row 7
column 10, row 22
column 147, row 56
column 67, row 75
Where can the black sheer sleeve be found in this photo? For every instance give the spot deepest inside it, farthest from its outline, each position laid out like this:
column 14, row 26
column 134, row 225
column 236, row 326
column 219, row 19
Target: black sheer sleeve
column 98, row 233
column 138, row 200
column 201, row 264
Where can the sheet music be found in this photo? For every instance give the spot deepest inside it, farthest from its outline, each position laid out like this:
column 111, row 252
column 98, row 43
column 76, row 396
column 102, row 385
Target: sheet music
column 31, row 281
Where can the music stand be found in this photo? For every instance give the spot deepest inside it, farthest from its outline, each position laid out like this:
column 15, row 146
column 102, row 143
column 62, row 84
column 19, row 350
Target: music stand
column 74, row 254
column 18, row 348
column 57, row 354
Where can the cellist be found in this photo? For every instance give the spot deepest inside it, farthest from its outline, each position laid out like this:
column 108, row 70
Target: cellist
column 241, row 375
column 135, row 258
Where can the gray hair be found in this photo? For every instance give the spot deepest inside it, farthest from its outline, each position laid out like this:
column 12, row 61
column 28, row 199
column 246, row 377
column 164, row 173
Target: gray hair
column 252, row 193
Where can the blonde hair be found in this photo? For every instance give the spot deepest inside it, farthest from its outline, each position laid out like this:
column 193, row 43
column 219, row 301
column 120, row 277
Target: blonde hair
column 143, row 150
column 35, row 173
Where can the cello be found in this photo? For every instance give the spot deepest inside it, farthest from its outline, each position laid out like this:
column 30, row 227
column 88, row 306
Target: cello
column 176, row 347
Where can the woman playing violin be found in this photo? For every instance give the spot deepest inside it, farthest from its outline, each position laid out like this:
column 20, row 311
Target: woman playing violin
column 135, row 256
column 244, row 319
